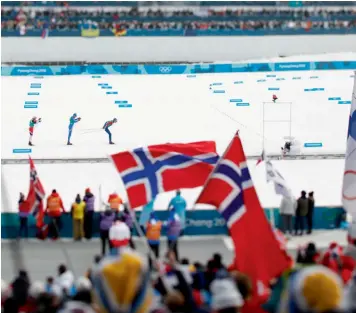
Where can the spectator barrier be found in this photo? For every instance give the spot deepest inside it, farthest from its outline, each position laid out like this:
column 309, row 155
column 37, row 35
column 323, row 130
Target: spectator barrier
column 198, row 223
column 168, row 69
column 180, row 32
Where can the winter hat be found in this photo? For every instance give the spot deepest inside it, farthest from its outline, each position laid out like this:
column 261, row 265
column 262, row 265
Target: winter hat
column 87, row 190
column 82, row 283
column 313, row 289
column 225, row 294
column 119, row 235
column 36, row 289
column 122, row 283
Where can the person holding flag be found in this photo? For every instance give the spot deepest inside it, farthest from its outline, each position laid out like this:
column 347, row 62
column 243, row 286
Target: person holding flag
column 24, row 211
column 35, row 197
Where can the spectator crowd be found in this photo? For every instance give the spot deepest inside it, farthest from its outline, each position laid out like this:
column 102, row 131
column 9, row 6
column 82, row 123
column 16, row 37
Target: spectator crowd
column 126, row 281
column 123, row 280
column 178, row 19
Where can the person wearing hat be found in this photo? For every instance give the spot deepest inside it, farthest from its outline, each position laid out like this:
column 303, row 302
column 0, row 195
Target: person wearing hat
column 54, row 210
column 107, row 219
column 153, row 233
column 312, row 289
column 78, row 209
column 180, row 206
column 174, row 228
column 24, row 211
column 115, row 201
column 119, row 236
column 89, row 200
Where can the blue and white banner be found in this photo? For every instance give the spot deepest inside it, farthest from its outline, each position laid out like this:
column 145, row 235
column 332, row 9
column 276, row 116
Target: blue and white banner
column 171, row 69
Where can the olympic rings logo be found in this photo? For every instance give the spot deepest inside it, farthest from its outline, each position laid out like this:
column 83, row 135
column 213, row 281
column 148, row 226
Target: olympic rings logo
column 165, row 69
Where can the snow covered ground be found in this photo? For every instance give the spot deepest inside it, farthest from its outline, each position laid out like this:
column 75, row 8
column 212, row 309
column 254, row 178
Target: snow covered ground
column 175, row 108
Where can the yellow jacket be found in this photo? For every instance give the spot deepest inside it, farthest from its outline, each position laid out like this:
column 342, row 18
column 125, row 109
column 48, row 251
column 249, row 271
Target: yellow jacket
column 78, row 210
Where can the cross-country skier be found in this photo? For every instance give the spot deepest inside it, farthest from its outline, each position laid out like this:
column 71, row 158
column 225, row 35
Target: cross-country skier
column 73, row 119
column 106, row 128
column 34, row 121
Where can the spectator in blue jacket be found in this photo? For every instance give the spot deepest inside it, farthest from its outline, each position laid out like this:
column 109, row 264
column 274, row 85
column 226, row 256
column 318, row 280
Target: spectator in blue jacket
column 179, row 204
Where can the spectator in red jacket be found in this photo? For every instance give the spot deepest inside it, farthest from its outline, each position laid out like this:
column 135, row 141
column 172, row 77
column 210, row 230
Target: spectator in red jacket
column 24, row 211
column 337, row 261
column 54, row 210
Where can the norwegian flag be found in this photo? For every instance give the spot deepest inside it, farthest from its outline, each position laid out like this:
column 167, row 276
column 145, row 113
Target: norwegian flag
column 231, row 190
column 146, row 172
column 35, row 196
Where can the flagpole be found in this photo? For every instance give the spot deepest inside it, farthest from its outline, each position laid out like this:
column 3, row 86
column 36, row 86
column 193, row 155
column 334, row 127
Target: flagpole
column 136, row 224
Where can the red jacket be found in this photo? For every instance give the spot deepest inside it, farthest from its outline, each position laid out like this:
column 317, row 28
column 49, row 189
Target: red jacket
column 24, row 208
column 54, row 205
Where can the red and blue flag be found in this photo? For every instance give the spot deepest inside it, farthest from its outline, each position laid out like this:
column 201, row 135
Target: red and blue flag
column 35, row 198
column 230, row 189
column 146, row 172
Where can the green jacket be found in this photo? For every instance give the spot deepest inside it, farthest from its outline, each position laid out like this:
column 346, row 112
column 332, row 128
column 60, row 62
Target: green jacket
column 302, row 207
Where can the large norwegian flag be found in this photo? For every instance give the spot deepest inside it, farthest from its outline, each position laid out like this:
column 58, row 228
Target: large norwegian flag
column 349, row 185
column 231, row 190
column 35, row 196
column 146, row 172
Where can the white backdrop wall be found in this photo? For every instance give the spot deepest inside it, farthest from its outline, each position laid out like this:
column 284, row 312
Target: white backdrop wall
column 161, row 49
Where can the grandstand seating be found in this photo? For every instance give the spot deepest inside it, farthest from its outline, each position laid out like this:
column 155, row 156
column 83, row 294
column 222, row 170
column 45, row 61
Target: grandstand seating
column 182, row 19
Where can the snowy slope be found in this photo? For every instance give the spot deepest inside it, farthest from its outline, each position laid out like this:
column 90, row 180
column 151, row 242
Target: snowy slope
column 324, row 177
column 175, row 109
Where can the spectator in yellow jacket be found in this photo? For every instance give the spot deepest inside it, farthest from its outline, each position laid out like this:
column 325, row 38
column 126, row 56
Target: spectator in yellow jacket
column 78, row 211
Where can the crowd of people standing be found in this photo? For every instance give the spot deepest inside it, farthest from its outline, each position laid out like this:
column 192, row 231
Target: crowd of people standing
column 302, row 210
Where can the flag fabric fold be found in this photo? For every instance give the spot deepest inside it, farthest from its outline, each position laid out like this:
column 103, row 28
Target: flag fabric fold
column 146, row 172
column 349, row 183
column 280, row 185
column 230, row 189
column 35, row 198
